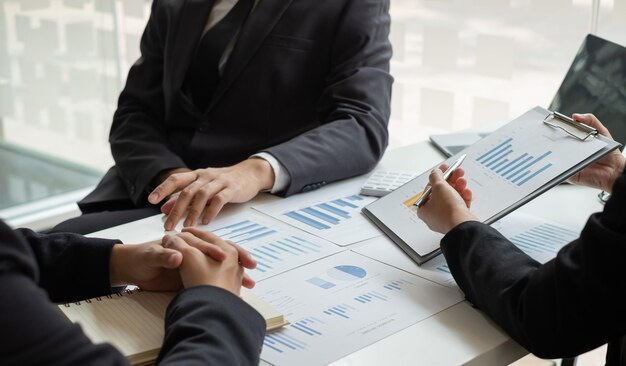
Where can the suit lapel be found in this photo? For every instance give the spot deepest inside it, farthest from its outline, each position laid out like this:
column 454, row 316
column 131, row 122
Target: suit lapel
column 255, row 30
column 192, row 21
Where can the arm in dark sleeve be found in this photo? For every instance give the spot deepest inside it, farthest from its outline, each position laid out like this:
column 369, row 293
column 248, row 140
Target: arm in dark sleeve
column 138, row 138
column 71, row 266
column 33, row 331
column 563, row 308
column 354, row 108
column 207, row 325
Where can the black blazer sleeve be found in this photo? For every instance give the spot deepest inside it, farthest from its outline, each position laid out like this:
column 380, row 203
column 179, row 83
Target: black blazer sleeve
column 33, row 331
column 570, row 305
column 205, row 325
column 71, row 267
column 354, row 107
column 138, row 137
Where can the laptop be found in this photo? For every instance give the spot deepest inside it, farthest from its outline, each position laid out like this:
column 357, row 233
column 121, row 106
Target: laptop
column 595, row 83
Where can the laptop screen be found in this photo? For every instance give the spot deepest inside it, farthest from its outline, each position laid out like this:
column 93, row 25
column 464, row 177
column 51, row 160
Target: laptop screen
column 596, row 83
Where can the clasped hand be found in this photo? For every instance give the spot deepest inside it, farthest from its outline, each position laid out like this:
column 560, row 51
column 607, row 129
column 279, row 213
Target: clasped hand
column 191, row 258
column 202, row 193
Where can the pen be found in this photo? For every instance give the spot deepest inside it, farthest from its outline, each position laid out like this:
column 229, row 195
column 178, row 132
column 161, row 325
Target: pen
column 420, row 202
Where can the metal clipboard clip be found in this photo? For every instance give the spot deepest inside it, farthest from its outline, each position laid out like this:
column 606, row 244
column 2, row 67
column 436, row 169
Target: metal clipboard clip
column 586, row 131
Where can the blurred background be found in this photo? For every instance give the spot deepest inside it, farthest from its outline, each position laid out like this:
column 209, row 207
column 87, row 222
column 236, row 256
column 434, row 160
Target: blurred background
column 457, row 64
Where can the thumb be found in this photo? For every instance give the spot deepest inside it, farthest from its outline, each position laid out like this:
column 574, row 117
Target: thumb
column 171, row 259
column 165, row 258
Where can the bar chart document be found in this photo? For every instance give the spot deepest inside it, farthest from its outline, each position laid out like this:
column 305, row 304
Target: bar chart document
column 538, row 238
column 333, row 213
column 343, row 303
column 506, row 169
column 276, row 247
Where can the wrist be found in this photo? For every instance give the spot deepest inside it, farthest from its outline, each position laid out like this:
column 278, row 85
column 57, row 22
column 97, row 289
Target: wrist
column 262, row 172
column 118, row 275
column 459, row 219
column 608, row 186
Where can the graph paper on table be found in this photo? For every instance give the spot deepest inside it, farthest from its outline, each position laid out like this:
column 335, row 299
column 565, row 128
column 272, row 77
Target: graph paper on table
column 539, row 238
column 275, row 246
column 345, row 299
column 332, row 213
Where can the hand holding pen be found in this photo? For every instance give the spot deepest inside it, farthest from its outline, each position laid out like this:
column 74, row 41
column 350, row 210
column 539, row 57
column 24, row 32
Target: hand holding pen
column 446, row 175
column 448, row 201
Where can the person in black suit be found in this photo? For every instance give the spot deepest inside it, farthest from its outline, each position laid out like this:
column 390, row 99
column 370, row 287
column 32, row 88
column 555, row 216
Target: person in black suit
column 206, row 324
column 227, row 101
column 565, row 307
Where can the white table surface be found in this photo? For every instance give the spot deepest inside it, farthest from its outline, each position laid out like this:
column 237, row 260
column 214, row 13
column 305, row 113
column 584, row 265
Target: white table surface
column 458, row 335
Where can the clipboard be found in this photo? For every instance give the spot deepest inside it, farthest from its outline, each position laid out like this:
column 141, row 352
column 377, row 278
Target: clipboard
column 505, row 170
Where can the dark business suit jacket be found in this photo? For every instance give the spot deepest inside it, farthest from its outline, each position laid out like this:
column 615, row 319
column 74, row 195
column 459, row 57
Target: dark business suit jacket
column 570, row 305
column 308, row 82
column 204, row 325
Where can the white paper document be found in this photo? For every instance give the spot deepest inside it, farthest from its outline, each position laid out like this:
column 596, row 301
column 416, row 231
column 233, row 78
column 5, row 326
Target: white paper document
column 277, row 247
column 502, row 169
column 332, row 213
column 538, row 238
column 384, row 250
column 343, row 303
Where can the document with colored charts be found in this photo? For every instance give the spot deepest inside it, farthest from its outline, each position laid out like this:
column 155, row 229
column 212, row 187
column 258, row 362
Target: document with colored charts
column 506, row 169
column 275, row 246
column 332, row 213
column 538, row 238
column 342, row 303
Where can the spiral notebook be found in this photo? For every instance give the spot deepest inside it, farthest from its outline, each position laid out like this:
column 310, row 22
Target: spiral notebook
column 132, row 320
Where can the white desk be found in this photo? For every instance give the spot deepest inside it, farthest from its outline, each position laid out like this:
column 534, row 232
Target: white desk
column 457, row 335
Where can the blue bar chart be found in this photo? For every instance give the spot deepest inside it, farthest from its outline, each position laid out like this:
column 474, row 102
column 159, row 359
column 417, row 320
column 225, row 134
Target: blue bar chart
column 336, row 217
column 370, row 297
column 341, row 311
column 324, row 215
column 519, row 168
column 545, row 238
column 275, row 247
column 395, row 285
column 538, row 238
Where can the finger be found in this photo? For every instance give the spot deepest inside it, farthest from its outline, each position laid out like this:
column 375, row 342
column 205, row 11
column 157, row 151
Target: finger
column 172, row 184
column 435, row 177
column 245, row 258
column 456, row 175
column 166, row 208
column 467, row 197
column 247, row 281
column 443, row 167
column 203, row 195
column 217, row 203
column 208, row 248
column 460, row 185
column 158, row 256
column 206, row 236
column 182, row 204
column 593, row 121
column 175, row 243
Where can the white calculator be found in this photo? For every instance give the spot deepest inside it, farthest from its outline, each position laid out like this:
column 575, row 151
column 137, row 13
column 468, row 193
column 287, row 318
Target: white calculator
column 382, row 182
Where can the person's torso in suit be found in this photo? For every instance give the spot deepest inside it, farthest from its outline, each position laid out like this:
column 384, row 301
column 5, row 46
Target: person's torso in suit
column 297, row 65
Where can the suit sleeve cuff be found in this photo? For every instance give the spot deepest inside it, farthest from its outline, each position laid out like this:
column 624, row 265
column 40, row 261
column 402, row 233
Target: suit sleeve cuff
column 281, row 176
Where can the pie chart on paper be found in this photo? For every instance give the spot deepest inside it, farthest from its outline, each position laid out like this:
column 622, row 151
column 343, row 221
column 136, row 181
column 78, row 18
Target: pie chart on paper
column 347, row 273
